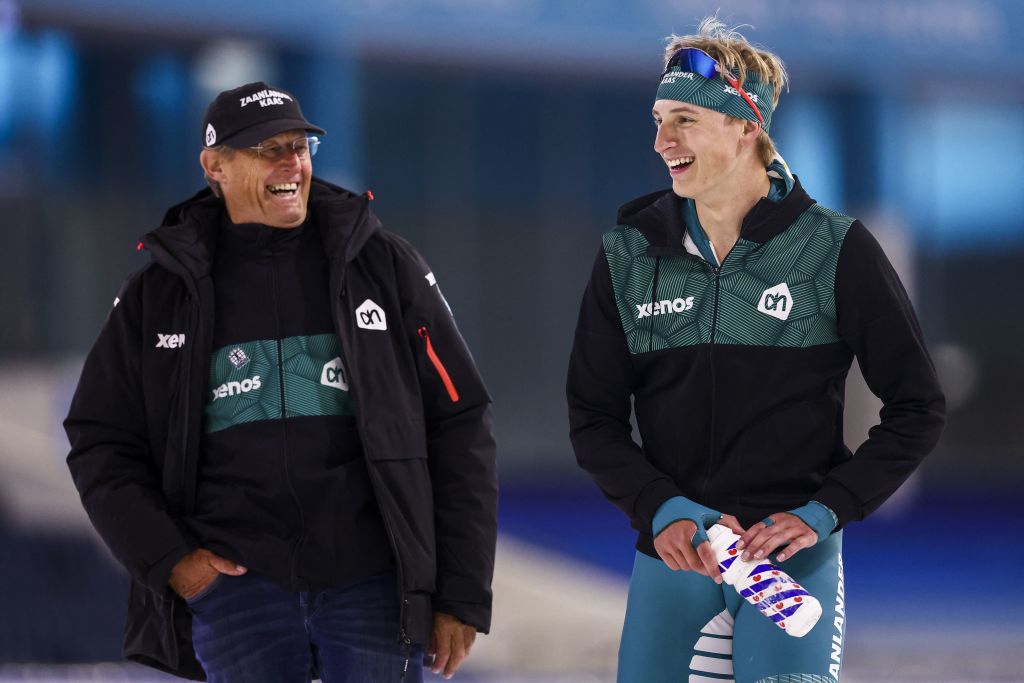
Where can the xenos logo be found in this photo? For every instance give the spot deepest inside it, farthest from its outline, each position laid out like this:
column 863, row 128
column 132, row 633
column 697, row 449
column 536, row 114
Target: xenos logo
column 664, row 306
column 334, row 375
column 729, row 90
column 232, row 388
column 169, row 341
column 776, row 301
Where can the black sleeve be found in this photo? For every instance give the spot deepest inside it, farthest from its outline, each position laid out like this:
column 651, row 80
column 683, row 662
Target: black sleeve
column 599, row 390
column 877, row 321
column 110, row 458
column 460, row 448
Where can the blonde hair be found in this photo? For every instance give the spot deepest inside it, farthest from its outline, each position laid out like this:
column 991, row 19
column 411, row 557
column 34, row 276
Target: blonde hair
column 733, row 51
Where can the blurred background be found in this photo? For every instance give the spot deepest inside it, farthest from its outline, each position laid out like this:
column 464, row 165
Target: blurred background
column 500, row 136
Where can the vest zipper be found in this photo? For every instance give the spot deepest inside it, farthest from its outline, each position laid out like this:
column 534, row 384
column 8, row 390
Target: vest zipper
column 439, row 366
column 654, row 299
column 716, row 272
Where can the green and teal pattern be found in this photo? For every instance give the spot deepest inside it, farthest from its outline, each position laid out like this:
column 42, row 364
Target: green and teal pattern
column 654, row 325
column 717, row 95
column 245, row 381
column 780, row 293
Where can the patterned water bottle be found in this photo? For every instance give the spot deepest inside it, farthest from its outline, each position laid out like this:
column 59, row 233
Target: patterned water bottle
column 761, row 583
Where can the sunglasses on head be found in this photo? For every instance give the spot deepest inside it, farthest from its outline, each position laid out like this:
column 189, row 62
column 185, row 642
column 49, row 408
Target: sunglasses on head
column 697, row 61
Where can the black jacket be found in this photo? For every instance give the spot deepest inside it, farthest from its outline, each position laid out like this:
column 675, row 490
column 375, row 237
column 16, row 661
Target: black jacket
column 737, row 374
column 423, row 415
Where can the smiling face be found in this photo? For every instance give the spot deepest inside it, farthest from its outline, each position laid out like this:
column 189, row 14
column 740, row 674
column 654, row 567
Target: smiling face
column 703, row 149
column 258, row 190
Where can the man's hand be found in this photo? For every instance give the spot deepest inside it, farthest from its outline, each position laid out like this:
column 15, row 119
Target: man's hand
column 449, row 643
column 675, row 548
column 763, row 539
column 195, row 571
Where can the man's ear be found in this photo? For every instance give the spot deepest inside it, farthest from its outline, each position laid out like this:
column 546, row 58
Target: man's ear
column 751, row 129
column 212, row 164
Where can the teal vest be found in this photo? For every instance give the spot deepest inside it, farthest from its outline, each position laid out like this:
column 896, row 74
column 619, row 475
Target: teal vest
column 777, row 293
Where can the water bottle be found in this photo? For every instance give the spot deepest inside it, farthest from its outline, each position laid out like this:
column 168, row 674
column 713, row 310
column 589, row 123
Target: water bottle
column 761, row 583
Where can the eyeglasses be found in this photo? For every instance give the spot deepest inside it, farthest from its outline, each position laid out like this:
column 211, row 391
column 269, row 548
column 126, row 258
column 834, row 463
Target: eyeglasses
column 701, row 63
column 276, row 152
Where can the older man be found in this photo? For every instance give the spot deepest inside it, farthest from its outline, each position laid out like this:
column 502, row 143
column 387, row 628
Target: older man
column 280, row 432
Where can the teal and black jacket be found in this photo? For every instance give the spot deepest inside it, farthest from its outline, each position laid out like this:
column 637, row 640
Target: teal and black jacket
column 143, row 408
column 736, row 374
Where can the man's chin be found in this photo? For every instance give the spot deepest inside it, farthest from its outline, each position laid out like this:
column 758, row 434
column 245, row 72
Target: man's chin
column 288, row 219
column 681, row 192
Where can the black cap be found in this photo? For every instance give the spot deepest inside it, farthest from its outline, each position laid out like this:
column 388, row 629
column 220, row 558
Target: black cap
column 250, row 114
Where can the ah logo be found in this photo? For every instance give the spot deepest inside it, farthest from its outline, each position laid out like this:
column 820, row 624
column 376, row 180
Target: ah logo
column 334, row 375
column 370, row 316
column 170, row 341
column 776, row 301
column 211, row 135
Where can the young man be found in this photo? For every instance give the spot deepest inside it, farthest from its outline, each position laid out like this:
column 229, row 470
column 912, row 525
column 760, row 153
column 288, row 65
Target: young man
column 728, row 311
column 280, row 432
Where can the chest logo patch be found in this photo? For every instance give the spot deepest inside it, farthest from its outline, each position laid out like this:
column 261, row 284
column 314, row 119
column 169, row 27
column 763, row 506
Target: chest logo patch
column 169, row 341
column 776, row 301
column 664, row 306
column 333, row 375
column 238, row 358
column 370, row 316
column 234, row 388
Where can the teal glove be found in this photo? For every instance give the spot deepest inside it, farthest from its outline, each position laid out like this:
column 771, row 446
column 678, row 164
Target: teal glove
column 680, row 507
column 817, row 516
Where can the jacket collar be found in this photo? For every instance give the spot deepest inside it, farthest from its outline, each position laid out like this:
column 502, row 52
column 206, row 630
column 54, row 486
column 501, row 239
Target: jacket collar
column 186, row 240
column 659, row 217
column 344, row 218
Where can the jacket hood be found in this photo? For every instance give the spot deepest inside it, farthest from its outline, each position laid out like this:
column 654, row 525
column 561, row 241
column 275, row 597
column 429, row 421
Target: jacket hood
column 187, row 237
column 659, row 217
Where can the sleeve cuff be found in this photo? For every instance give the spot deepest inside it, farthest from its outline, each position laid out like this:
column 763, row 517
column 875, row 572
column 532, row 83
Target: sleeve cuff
column 817, row 516
column 477, row 616
column 680, row 507
column 837, row 498
column 160, row 573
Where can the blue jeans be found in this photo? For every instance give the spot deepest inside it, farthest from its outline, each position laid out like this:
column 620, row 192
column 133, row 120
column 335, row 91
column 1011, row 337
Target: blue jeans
column 247, row 629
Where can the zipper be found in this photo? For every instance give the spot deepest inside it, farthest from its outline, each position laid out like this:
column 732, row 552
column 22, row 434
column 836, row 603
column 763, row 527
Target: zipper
column 439, row 366
column 403, row 637
column 406, row 650
column 297, row 550
column 654, row 298
column 716, row 272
